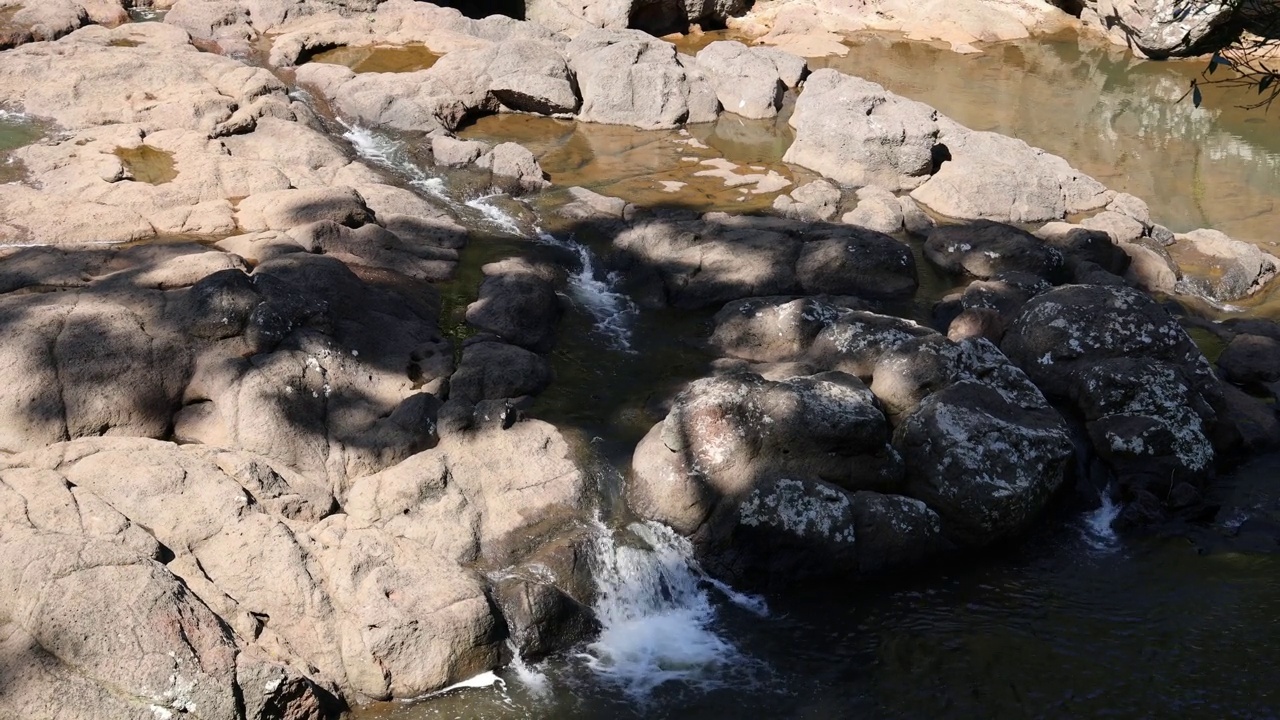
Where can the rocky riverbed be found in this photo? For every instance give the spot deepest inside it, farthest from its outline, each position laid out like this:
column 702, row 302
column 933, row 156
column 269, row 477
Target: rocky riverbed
column 359, row 349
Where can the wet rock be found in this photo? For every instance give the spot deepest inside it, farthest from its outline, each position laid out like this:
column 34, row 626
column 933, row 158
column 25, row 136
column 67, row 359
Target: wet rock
column 857, row 261
column 809, row 330
column 1222, row 269
column 453, row 152
column 987, row 176
column 1252, row 420
column 493, row 370
column 748, row 81
column 856, row 133
column 986, row 249
column 879, row 210
column 815, row 201
column 518, row 303
column 546, row 599
column 1251, row 360
column 627, row 77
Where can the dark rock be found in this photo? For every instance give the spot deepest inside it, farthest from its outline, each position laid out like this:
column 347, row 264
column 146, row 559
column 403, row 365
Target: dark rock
column 1251, row 360
column 495, row 370
column 986, row 249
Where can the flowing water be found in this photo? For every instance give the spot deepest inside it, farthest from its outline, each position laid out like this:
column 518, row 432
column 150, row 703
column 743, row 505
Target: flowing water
column 1074, row 621
column 16, row 130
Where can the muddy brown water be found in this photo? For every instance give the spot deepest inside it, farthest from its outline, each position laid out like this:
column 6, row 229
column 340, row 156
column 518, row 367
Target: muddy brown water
column 380, row 58
column 148, row 164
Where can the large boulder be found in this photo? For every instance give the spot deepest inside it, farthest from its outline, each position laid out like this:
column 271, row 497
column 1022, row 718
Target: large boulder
column 857, row 133
column 653, row 16
column 518, row 303
column 749, row 81
column 709, row 261
column 1146, row 393
column 987, row 176
column 627, row 77
column 738, row 454
column 1164, row 29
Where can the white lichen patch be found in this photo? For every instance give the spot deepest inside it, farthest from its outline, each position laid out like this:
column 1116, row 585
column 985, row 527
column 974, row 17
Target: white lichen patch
column 801, row 509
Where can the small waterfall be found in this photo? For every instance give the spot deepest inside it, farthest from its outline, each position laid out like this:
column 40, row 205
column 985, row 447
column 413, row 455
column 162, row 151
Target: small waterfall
column 657, row 616
column 391, row 155
column 533, row 680
column 1096, row 524
column 495, row 215
column 614, row 313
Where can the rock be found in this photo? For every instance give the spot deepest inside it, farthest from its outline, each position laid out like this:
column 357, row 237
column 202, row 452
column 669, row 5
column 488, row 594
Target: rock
column 720, row 466
column 1161, row 234
column 1161, row 30
column 1130, row 206
column 809, row 330
column 493, row 370
column 514, row 164
column 987, row 176
column 286, row 209
column 1148, row 422
column 879, row 210
column 629, row 78
column 1079, row 244
column 1118, row 226
column 984, row 491
column 518, row 303
column 860, row 262
column 986, row 249
column 895, row 531
column 915, row 220
column 585, row 204
column 532, row 76
column 1147, row 394
column 699, row 264
column 658, row 18
column 815, row 201
column 452, row 152
column 1253, row 420
column 1215, row 266
column 748, row 81
column 1150, row 267
column 856, row 133
column 977, row 323
column 1251, row 360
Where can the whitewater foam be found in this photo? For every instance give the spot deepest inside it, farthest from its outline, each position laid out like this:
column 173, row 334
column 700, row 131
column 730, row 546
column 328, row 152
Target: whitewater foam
column 391, row 155
column 1096, row 525
column 533, row 680
column 658, row 620
column 614, row 312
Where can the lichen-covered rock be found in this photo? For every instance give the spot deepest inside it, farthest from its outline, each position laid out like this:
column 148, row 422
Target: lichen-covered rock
column 812, row 331
column 1148, row 395
column 857, row 261
column 986, row 463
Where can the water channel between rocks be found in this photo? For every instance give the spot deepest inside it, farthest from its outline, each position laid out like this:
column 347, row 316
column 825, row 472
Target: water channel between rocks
column 1072, row 623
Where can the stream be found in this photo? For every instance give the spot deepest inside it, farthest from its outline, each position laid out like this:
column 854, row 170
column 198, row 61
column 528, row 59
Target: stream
column 1072, row 622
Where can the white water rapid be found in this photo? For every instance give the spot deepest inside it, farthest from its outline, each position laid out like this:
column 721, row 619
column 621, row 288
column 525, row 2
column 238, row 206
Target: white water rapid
column 657, row 616
column 1096, row 524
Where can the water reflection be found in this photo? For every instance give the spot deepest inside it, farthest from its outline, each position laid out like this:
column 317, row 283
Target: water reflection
column 1115, row 117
